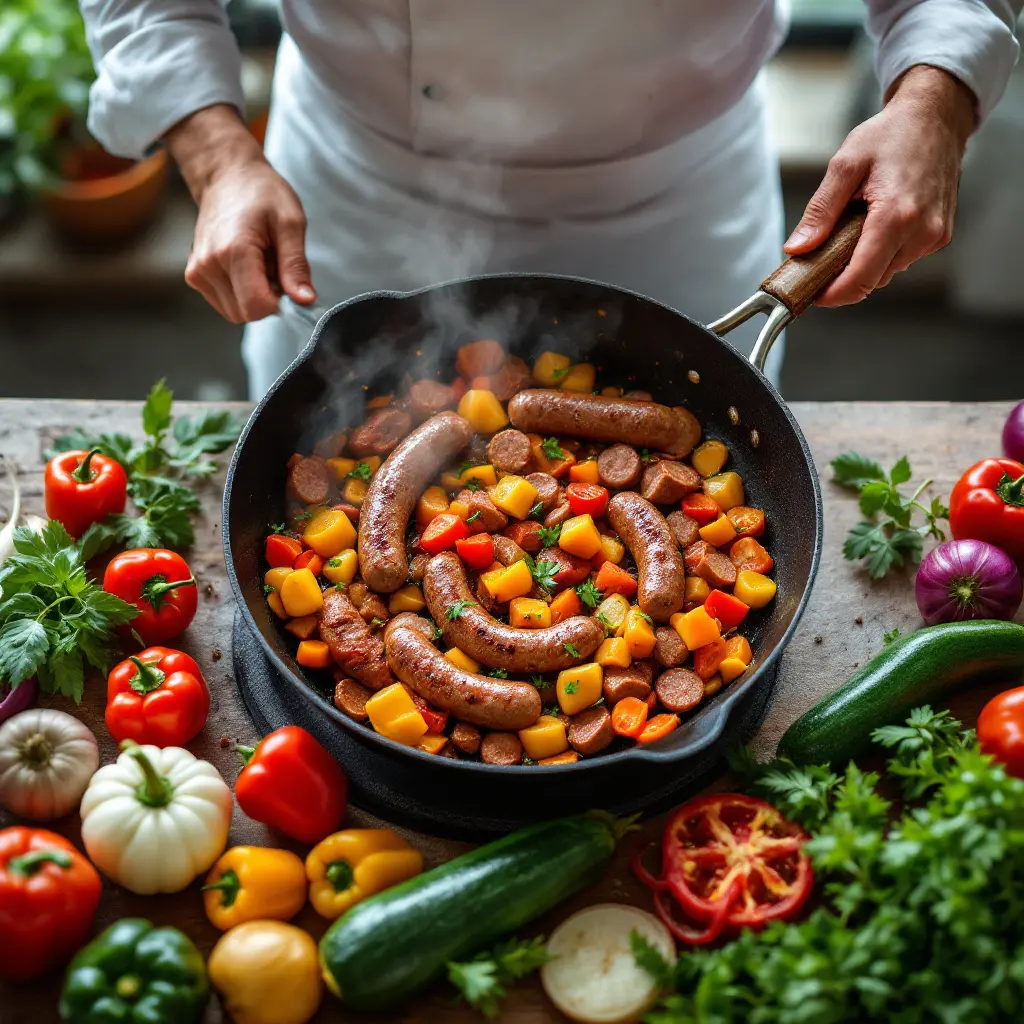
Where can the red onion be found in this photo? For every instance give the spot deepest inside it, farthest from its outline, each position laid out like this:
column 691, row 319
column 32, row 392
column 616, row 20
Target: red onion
column 1013, row 434
column 967, row 579
column 21, row 698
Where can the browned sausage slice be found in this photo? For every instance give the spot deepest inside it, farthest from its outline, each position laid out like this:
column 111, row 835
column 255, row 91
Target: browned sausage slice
column 526, row 534
column 492, row 643
column 679, row 689
column 372, row 608
column 661, row 572
column 509, row 451
column 350, row 697
column 669, row 649
column 380, row 432
column 559, row 514
column 427, row 397
column 632, row 681
column 605, row 418
column 466, row 738
column 716, row 568
column 331, row 446
column 685, row 530
column 619, row 467
column 491, row 703
column 355, row 650
column 665, row 483
column 501, row 748
column 548, row 490
column 591, row 731
column 506, row 550
column 490, row 519
column 309, row 481
column 571, row 568
column 393, row 493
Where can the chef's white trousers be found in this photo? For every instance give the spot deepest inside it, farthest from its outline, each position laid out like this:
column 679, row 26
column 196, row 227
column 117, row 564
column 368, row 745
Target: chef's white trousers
column 696, row 225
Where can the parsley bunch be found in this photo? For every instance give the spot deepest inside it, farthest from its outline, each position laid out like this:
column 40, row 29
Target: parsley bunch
column 483, row 980
column 892, row 540
column 923, row 909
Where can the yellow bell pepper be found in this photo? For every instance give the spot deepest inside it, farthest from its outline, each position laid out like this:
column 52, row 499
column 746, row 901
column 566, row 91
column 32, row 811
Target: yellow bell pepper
column 355, row 863
column 729, row 669
column 483, row 411
column 585, row 472
column 276, row 606
column 432, row 743
column 275, row 577
column 709, row 458
column 638, row 634
column 611, row 613
column 393, row 714
column 354, row 491
column 514, row 495
column 459, row 508
column 581, row 377
column 544, row 739
column 720, row 532
column 529, row 613
column 342, row 567
column 407, row 599
column 696, row 628
column 433, row 502
column 753, row 589
column 695, row 590
column 612, row 549
column 505, row 584
column 462, row 660
column 340, row 468
column 713, row 685
column 569, row 757
column 726, row 489
column 580, row 536
column 329, row 532
column 613, row 651
column 550, row 368
column 301, row 594
column 267, row 972
column 577, row 688
column 250, row 882
column 484, row 475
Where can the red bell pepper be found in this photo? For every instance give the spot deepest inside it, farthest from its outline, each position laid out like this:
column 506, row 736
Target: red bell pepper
column 158, row 696
column 160, row 584
column 281, row 551
column 81, row 488
column 49, row 894
column 436, row 720
column 987, row 504
column 702, row 508
column 587, row 499
column 292, row 784
column 476, row 551
column 443, row 533
column 309, row 560
column 730, row 611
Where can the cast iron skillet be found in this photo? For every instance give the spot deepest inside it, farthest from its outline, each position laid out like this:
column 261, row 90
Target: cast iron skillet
column 365, row 346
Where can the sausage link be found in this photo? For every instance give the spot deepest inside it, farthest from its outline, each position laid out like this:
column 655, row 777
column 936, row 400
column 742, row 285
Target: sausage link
column 486, row 640
column 393, row 493
column 309, row 481
column 502, row 748
column 661, row 571
column 355, row 650
column 591, row 731
column 679, row 689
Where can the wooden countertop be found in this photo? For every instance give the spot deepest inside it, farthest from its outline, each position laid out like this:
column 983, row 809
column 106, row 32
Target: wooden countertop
column 843, row 627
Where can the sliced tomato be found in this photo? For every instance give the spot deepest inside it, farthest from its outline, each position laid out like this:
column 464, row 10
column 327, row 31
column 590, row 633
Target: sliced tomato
column 477, row 551
column 748, row 553
column 746, row 521
column 443, row 533
column 730, row 611
column 587, row 499
column 702, row 508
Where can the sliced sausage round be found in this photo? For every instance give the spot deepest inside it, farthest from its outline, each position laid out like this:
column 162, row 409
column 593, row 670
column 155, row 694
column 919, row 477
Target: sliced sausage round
column 591, row 731
column 665, row 483
column 548, row 489
column 716, row 568
column 509, row 451
column 632, row 681
column 559, row 514
column 571, row 568
column 679, row 689
column 526, row 534
column 350, row 697
column 490, row 520
column 501, row 748
column 380, row 432
column 619, row 467
column 331, row 446
column 669, row 649
column 511, row 378
column 309, row 481
column 373, row 607
column 685, row 530
column 427, row 397
column 466, row 737
column 506, row 550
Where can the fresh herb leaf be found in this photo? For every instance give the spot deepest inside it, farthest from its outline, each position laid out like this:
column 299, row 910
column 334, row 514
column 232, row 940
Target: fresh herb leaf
column 156, row 412
column 341, row 586
column 302, row 517
column 645, row 455
column 267, row 588
column 645, row 616
column 560, row 372
column 498, row 673
column 473, row 518
column 572, row 686
column 551, row 448
column 588, row 593
column 457, row 609
column 377, row 623
column 536, row 511
column 892, row 636
column 540, row 682
column 571, row 650
column 472, row 484
column 483, row 980
column 361, row 471
column 554, row 712
column 650, row 960
column 604, row 620
column 278, row 527
column 854, row 471
column 549, row 535
column 462, row 469
column 544, row 573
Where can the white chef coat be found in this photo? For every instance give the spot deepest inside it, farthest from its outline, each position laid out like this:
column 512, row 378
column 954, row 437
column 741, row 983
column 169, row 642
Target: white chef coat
column 623, row 140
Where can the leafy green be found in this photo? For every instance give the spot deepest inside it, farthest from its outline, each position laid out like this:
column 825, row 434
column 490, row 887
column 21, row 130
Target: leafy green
column 543, row 573
column 571, row 650
column 457, row 609
column 536, row 511
column 483, row 980
column 549, row 535
column 361, row 471
column 588, row 593
column 891, row 636
column 551, row 448
column 498, row 673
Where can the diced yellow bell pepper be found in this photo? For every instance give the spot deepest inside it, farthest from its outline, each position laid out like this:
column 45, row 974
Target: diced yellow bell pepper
column 580, row 687
column 342, row 567
column 274, row 600
column 432, row 743
column 613, row 651
column 695, row 590
column 514, row 495
column 568, row 757
column 753, row 589
column 611, row 613
column 713, row 685
column 303, row 628
column 638, row 633
column 580, row 536
column 483, row 411
column 504, row 584
column 354, row 491
column 612, row 549
column 329, row 532
column 550, row 368
column 373, row 461
column 581, row 377
column 484, row 475
column 300, row 594
column 433, row 502
column 340, row 468
column 719, row 533
column 529, row 613
column 709, row 458
column 730, row 668
column 393, row 714
column 544, row 739
column 407, row 599
column 726, row 489
column 462, row 660
column 585, row 472
column 275, row 577
column 739, row 647
column 460, row 509
column 696, row 628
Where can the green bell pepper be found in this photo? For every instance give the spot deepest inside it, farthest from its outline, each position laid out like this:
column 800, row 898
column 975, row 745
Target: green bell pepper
column 134, row 973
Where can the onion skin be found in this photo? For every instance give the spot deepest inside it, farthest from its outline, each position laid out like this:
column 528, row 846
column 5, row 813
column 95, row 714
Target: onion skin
column 1013, row 434
column 21, row 698
column 967, row 579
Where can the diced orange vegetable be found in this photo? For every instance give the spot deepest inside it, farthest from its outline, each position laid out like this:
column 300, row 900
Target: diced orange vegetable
column 613, row 652
column 479, row 357
column 273, row 578
column 484, row 475
column 379, row 402
column 611, row 612
column 580, row 537
column 709, row 458
column 529, row 613
column 458, row 508
column 747, row 521
column 712, row 686
column 730, row 668
column 340, row 468
column 442, row 533
column 701, row 507
column 300, row 594
column 354, row 491
column 725, row 489
column 274, row 600
column 581, row 377
column 612, row 550
column 393, row 714
column 557, row 467
column 629, row 716
column 579, row 687
column 304, row 627
column 433, row 502
column 432, row 743
column 748, row 553
column 462, row 660
column 342, row 567
column 696, row 628
column 585, row 472
column 310, row 560
column 706, row 659
column 657, row 728
column 329, row 532
column 753, row 589
column 313, row 654
column 564, row 606
column 514, row 495
column 406, row 599
column 695, row 590
column 611, row 392
column 639, row 634
column 719, row 533
column 515, row 581
column 281, row 551
column 546, row 738
column 568, row 757
column 729, row 611
column 610, row 579
column 739, row 647
column 550, row 368
column 483, row 411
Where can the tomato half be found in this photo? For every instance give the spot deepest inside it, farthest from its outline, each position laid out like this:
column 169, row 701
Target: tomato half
column 1001, row 730
column 587, row 499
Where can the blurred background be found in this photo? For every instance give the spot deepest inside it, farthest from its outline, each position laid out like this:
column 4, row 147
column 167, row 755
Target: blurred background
column 93, row 302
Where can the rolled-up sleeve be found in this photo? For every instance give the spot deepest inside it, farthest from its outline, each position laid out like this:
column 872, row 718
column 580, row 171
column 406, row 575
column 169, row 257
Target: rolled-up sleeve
column 157, row 61
column 973, row 40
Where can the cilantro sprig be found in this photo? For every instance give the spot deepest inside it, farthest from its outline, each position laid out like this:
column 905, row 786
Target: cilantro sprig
column 551, row 448
column 361, row 471
column 549, row 535
column 543, row 573
column 588, row 593
column 457, row 609
column 483, row 980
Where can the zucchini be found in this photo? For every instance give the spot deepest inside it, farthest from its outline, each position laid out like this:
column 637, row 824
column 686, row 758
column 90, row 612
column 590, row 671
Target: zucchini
column 390, row 946
column 923, row 668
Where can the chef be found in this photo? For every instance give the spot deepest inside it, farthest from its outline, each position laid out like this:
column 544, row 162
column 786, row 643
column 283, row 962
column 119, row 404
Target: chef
column 413, row 141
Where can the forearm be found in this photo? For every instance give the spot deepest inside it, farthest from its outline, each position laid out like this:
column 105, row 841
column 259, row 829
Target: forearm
column 939, row 97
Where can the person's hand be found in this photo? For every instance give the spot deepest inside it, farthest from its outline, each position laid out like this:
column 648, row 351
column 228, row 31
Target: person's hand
column 905, row 162
column 250, row 236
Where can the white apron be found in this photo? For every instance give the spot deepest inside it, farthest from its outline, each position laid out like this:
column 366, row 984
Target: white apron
column 696, row 224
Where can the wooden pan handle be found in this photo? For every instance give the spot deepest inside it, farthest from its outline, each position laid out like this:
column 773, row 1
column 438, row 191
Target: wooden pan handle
column 799, row 281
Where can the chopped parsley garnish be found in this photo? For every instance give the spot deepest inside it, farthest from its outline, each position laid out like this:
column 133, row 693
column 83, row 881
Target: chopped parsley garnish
column 498, row 673
column 340, row 586
column 551, row 711
column 375, row 622
column 457, row 609
column 551, row 448
column 278, row 528
column 571, row 650
column 472, row 484
column 645, row 455
column 560, row 373
column 361, row 471
column 474, row 517
column 536, row 511
column 303, row 517
column 549, row 535
column 644, row 616
column 462, row 469
column 543, row 573
column 267, row 588
column 603, row 619
column 588, row 593
column 572, row 686
column 333, row 563
column 528, row 760
column 540, row 682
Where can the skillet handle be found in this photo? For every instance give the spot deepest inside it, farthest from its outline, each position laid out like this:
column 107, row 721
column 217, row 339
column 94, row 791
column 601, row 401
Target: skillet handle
column 799, row 281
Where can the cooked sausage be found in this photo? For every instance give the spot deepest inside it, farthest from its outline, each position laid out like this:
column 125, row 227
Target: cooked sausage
column 466, row 737
column 355, row 650
column 716, row 568
column 352, row 511
column 373, row 607
column 526, row 534
column 417, row 566
column 427, row 397
column 501, row 748
column 619, row 467
column 380, row 432
column 511, row 378
column 490, row 519
column 679, row 689
column 548, row 489
column 571, row 568
column 309, row 481
column 695, row 554
column 591, row 731
column 660, row 565
column 665, row 483
column 331, row 446
column 493, row 643
column 559, row 514
column 394, row 491
column 669, row 649
column 685, row 530
column 510, row 451
column 603, row 418
column 481, row 700
column 632, row 681
column 350, row 697
column 506, row 550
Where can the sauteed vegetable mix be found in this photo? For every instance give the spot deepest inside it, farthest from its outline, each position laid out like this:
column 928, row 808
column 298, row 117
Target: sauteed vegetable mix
column 518, row 566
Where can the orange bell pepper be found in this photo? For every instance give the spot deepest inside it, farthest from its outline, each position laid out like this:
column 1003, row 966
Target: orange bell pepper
column 657, row 728
column 629, row 717
column 611, row 579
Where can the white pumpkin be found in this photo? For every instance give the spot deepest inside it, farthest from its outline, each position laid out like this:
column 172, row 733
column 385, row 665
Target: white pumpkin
column 46, row 760
column 155, row 818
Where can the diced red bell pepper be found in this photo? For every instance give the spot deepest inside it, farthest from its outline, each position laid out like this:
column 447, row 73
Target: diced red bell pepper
column 610, row 579
column 282, row 551
column 443, row 533
column 436, row 720
column 730, row 611
column 476, row 551
column 702, row 508
column 309, row 560
column 587, row 499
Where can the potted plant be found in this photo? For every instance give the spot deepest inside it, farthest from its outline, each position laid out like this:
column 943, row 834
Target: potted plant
column 45, row 150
